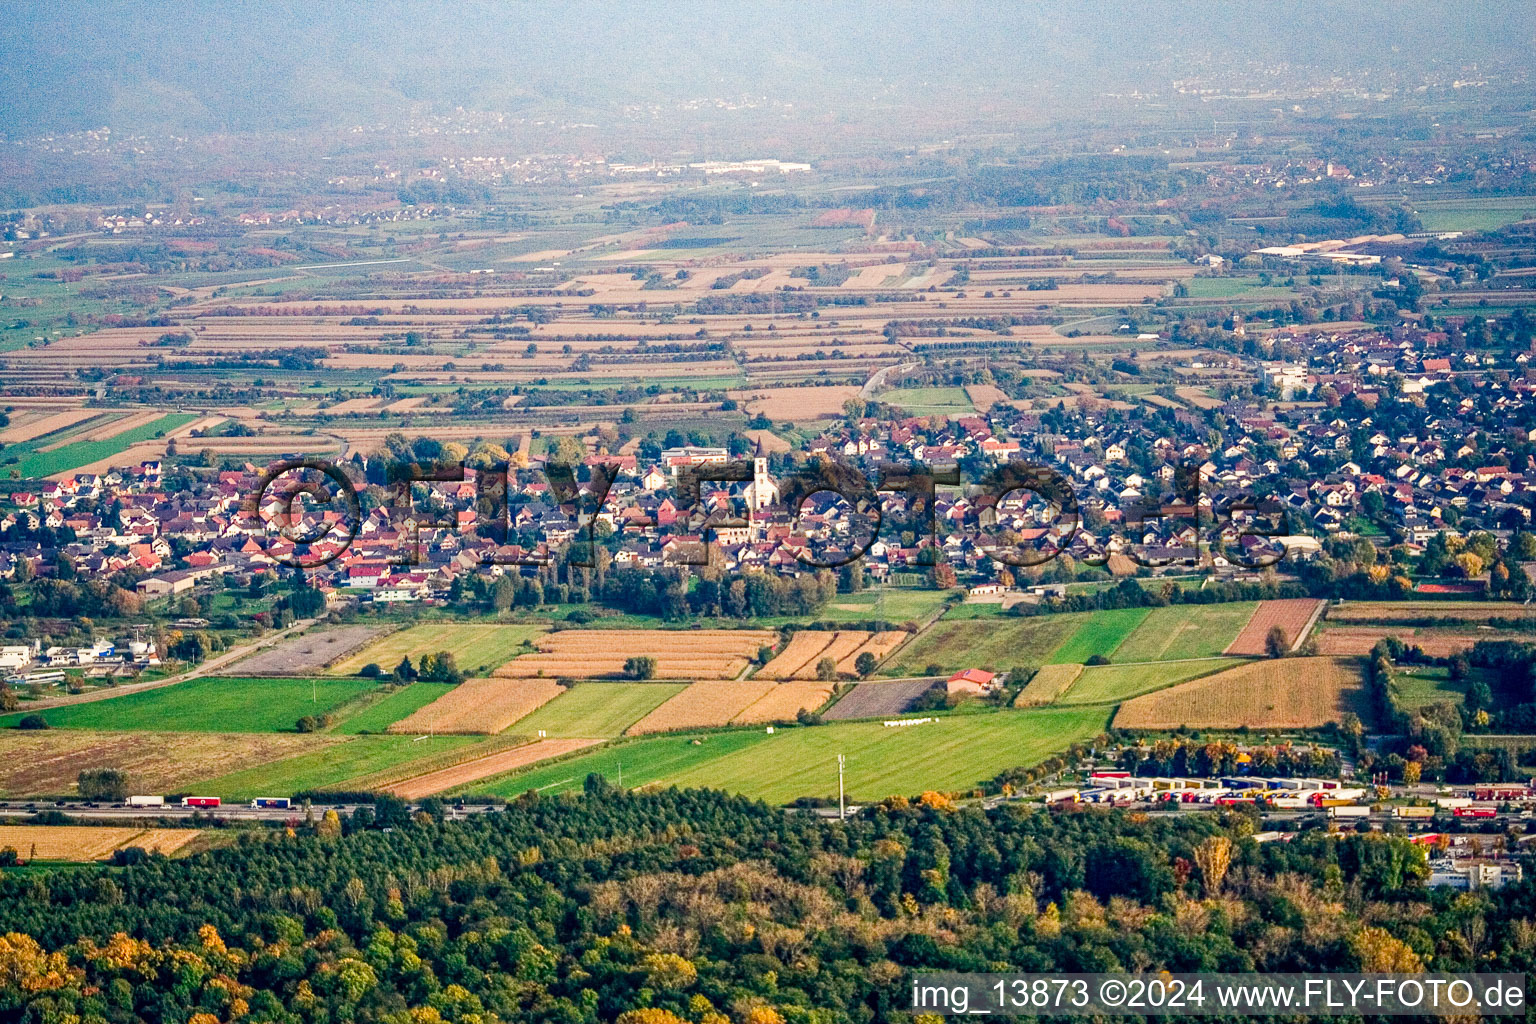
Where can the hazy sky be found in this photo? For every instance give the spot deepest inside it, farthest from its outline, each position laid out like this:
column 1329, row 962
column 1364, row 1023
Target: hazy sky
column 246, row 66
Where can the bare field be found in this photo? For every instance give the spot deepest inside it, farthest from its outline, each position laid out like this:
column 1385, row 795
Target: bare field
column 35, row 428
column 679, row 654
column 1292, row 615
column 1283, row 693
column 878, row 699
column 1354, row 642
column 87, row 843
column 1397, row 611
column 480, row 706
column 302, row 655
column 985, row 396
column 484, row 767
column 794, row 404
column 702, row 705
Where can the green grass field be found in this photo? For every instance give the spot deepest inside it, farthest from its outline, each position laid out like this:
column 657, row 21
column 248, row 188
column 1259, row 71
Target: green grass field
column 597, row 709
column 1418, row 685
column 996, row 644
column 1104, row 684
column 950, row 754
column 1474, row 213
column 477, row 647
column 931, row 401
column 329, row 767
column 1186, row 631
column 208, row 705
column 35, row 464
column 1102, row 633
column 890, row 605
column 640, row 762
column 376, row 715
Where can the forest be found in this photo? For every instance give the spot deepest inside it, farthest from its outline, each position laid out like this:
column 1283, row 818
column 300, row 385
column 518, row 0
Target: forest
column 671, row 906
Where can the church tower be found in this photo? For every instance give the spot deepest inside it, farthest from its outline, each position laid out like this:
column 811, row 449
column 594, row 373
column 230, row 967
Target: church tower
column 762, row 492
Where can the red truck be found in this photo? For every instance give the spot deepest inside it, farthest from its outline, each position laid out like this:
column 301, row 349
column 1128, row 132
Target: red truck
column 200, row 801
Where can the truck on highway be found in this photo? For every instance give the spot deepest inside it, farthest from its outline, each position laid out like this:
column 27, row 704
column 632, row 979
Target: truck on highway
column 200, row 801
column 144, row 801
column 1413, row 812
column 1349, row 812
column 272, row 803
column 1476, row 812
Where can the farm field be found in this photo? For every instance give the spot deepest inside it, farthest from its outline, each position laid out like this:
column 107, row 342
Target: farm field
column 930, row 401
column 598, row 709
column 783, row 702
column 1106, row 684
column 477, row 648
column 38, row 764
column 309, row 653
column 1186, row 631
column 87, row 843
column 1046, row 685
column 878, row 700
column 641, row 762
column 377, row 715
column 483, row 706
column 948, row 754
column 679, row 654
column 1285, row 693
column 469, row 772
column 955, row 753
column 806, row 649
column 1292, row 615
column 889, row 604
column 332, row 767
column 1418, row 685
column 994, row 644
column 1100, row 634
column 1474, row 213
column 212, row 704
column 1357, row 642
column 1399, row 611
column 38, row 464
column 703, row 705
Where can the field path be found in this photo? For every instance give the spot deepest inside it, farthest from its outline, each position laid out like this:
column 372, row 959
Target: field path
column 484, row 767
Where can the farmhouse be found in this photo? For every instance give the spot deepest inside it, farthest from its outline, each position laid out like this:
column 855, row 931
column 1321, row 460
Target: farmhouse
column 971, row 681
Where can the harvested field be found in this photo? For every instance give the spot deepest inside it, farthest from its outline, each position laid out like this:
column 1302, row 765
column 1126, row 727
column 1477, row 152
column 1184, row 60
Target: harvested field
column 1354, row 642
column 679, row 654
column 878, row 644
column 783, row 702
column 34, row 764
column 87, row 843
column 808, row 647
column 484, row 767
column 985, row 396
column 1284, row 693
column 309, row 653
column 878, row 700
column 481, row 706
column 476, row 647
column 46, row 425
column 1293, row 615
column 1047, row 684
column 796, row 404
column 802, row 650
column 1198, row 398
column 1400, row 611
column 704, row 704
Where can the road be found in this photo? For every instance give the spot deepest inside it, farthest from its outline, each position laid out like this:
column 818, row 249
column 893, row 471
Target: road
column 116, row 813
column 208, row 667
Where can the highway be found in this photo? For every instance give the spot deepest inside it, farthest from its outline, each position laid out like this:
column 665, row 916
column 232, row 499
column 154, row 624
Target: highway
column 109, row 813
